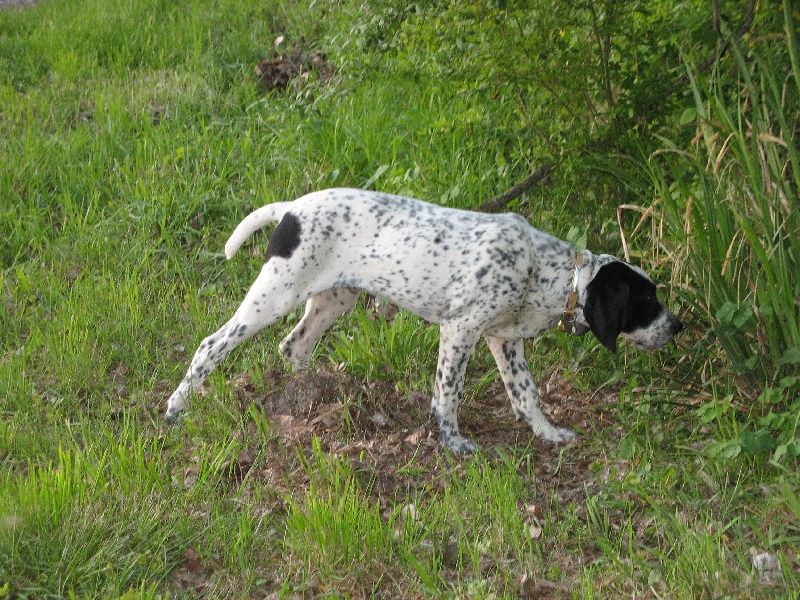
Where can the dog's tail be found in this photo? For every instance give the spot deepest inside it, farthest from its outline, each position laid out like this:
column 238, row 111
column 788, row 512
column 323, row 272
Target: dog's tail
column 253, row 222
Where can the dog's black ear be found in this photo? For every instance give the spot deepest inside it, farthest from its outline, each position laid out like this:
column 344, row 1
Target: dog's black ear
column 606, row 308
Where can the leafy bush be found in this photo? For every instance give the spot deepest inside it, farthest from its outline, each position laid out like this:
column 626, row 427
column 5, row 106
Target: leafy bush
column 731, row 213
column 732, row 227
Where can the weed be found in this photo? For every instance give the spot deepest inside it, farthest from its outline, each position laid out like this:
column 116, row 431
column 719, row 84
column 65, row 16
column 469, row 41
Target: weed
column 404, row 350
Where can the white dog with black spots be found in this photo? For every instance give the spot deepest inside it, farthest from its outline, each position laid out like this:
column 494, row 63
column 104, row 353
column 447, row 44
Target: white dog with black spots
column 475, row 274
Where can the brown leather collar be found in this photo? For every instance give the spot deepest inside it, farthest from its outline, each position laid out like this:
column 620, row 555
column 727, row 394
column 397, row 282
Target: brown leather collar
column 568, row 320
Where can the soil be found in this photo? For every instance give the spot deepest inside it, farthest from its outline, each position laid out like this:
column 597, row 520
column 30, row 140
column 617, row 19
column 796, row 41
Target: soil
column 297, row 64
column 382, row 429
column 392, row 445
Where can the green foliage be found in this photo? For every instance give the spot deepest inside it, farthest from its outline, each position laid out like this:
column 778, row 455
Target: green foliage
column 730, row 208
column 404, row 350
column 576, row 68
column 725, row 220
column 775, row 434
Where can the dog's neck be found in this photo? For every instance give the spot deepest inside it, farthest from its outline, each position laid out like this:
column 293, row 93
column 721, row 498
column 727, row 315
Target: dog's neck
column 568, row 322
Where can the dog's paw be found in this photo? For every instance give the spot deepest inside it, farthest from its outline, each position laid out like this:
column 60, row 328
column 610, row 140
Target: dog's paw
column 175, row 407
column 173, row 416
column 556, row 434
column 545, row 430
column 300, row 366
column 460, row 445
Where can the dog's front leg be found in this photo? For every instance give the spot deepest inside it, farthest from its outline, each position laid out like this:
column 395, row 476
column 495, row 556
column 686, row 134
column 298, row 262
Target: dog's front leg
column 456, row 343
column 510, row 358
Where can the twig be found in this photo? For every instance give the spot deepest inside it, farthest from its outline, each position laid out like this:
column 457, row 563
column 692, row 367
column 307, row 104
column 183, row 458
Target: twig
column 498, row 203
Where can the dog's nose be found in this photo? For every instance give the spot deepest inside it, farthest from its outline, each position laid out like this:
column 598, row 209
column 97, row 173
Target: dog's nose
column 677, row 327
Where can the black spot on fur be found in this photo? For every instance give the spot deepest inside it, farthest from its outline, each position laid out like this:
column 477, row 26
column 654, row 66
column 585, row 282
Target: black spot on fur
column 285, row 239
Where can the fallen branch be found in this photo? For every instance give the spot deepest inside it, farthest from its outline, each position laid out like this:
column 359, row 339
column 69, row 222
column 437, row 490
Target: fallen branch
column 499, row 203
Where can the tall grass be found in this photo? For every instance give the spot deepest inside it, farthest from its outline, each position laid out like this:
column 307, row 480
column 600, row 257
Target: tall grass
column 403, row 350
column 336, row 534
column 88, row 524
column 732, row 212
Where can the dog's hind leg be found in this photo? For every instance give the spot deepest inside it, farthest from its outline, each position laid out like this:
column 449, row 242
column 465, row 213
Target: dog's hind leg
column 322, row 311
column 510, row 358
column 268, row 300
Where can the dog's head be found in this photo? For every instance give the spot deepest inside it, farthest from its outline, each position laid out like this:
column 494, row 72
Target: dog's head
column 621, row 300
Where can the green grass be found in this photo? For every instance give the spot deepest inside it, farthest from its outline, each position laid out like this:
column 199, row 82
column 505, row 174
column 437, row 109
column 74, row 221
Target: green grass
column 134, row 137
column 403, row 351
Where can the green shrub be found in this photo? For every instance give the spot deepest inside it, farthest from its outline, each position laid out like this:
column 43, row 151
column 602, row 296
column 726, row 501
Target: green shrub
column 731, row 225
column 731, row 209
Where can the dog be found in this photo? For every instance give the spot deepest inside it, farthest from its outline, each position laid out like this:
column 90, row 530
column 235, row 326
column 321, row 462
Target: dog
column 475, row 274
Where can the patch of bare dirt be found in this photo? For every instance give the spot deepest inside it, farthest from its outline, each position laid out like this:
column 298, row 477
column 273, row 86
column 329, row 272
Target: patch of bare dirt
column 296, row 64
column 383, row 430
